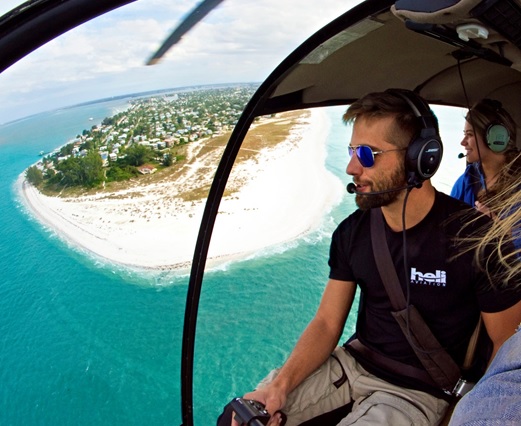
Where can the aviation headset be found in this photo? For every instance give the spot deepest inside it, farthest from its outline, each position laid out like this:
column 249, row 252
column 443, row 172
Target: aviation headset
column 497, row 137
column 425, row 150
column 495, row 133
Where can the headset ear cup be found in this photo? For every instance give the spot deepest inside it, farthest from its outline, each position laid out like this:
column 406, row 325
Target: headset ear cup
column 498, row 137
column 422, row 159
column 424, row 153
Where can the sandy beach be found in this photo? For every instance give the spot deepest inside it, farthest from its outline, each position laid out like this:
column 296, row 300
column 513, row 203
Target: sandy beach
column 282, row 194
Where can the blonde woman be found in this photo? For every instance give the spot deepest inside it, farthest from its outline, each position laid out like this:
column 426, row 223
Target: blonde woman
column 496, row 398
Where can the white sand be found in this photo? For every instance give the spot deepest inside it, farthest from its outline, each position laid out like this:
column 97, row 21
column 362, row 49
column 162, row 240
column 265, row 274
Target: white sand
column 287, row 193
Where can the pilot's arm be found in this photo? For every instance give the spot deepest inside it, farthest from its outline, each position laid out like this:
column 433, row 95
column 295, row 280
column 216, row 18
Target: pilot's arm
column 501, row 325
column 313, row 348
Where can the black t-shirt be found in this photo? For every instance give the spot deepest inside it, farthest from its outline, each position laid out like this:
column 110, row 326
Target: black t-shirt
column 448, row 291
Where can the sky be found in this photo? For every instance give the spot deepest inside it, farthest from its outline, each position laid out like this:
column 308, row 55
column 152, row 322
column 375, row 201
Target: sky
column 239, row 41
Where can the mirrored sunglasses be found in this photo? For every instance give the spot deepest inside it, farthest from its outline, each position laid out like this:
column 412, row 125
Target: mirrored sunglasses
column 365, row 154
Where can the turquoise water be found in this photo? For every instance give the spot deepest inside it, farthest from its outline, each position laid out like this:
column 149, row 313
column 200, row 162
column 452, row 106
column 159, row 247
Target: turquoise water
column 87, row 343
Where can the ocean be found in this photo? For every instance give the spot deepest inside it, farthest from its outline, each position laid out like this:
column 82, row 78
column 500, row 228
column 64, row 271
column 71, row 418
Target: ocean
column 85, row 342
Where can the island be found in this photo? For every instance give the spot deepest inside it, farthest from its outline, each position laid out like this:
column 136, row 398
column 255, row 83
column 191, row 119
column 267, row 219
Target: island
column 279, row 188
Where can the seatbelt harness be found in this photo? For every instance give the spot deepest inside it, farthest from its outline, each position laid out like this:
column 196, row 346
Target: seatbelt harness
column 440, row 366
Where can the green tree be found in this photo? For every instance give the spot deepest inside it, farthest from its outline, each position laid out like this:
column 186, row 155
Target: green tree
column 87, row 145
column 80, row 171
column 117, row 173
column 66, row 150
column 49, row 173
column 137, row 155
column 34, row 175
column 69, row 172
column 168, row 160
column 91, row 169
column 108, row 121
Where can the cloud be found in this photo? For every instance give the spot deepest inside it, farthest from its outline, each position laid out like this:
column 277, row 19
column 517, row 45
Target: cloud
column 240, row 40
column 8, row 5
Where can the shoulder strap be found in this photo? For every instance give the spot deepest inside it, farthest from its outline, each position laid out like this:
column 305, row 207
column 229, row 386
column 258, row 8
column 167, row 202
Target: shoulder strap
column 384, row 262
column 436, row 361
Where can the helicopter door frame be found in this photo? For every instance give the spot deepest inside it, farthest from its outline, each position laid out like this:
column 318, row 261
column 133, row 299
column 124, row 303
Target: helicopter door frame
column 257, row 106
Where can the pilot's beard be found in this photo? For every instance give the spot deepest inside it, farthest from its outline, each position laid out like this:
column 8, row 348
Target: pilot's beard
column 370, row 201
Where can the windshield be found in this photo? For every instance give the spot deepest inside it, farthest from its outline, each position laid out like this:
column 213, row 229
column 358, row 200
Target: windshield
column 106, row 168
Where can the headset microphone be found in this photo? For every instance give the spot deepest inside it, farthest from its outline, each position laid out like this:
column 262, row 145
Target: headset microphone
column 461, row 155
column 351, row 188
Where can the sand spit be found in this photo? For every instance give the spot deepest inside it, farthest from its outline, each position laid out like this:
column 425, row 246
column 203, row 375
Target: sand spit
column 281, row 194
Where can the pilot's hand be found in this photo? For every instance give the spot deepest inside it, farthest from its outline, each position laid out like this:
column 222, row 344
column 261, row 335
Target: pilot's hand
column 273, row 400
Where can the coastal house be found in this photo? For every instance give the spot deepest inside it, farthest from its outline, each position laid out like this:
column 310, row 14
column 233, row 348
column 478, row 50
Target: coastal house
column 146, row 169
column 170, row 142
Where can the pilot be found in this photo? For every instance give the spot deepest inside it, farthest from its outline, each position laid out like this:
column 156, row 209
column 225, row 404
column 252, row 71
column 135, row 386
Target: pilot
column 378, row 376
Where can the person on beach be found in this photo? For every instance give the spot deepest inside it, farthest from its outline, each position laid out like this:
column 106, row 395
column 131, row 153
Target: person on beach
column 376, row 377
column 496, row 398
column 492, row 156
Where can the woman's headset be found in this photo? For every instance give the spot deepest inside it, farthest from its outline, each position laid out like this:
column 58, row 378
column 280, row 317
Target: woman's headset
column 497, row 137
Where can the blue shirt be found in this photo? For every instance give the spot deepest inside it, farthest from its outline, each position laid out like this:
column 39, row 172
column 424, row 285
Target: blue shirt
column 468, row 185
column 466, row 189
column 496, row 398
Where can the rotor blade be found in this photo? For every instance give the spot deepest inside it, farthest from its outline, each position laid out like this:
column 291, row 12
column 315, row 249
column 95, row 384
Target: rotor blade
column 196, row 15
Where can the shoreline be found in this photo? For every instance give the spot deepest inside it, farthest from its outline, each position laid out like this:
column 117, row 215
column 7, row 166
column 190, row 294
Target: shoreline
column 159, row 232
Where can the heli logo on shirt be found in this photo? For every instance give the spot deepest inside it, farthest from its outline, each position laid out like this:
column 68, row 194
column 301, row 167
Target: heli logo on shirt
column 438, row 278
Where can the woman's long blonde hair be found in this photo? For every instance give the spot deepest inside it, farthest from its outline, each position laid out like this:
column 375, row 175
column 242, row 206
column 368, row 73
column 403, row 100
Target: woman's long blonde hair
column 503, row 232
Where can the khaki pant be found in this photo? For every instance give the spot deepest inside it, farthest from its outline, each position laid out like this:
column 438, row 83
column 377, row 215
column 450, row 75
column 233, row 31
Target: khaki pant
column 341, row 380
